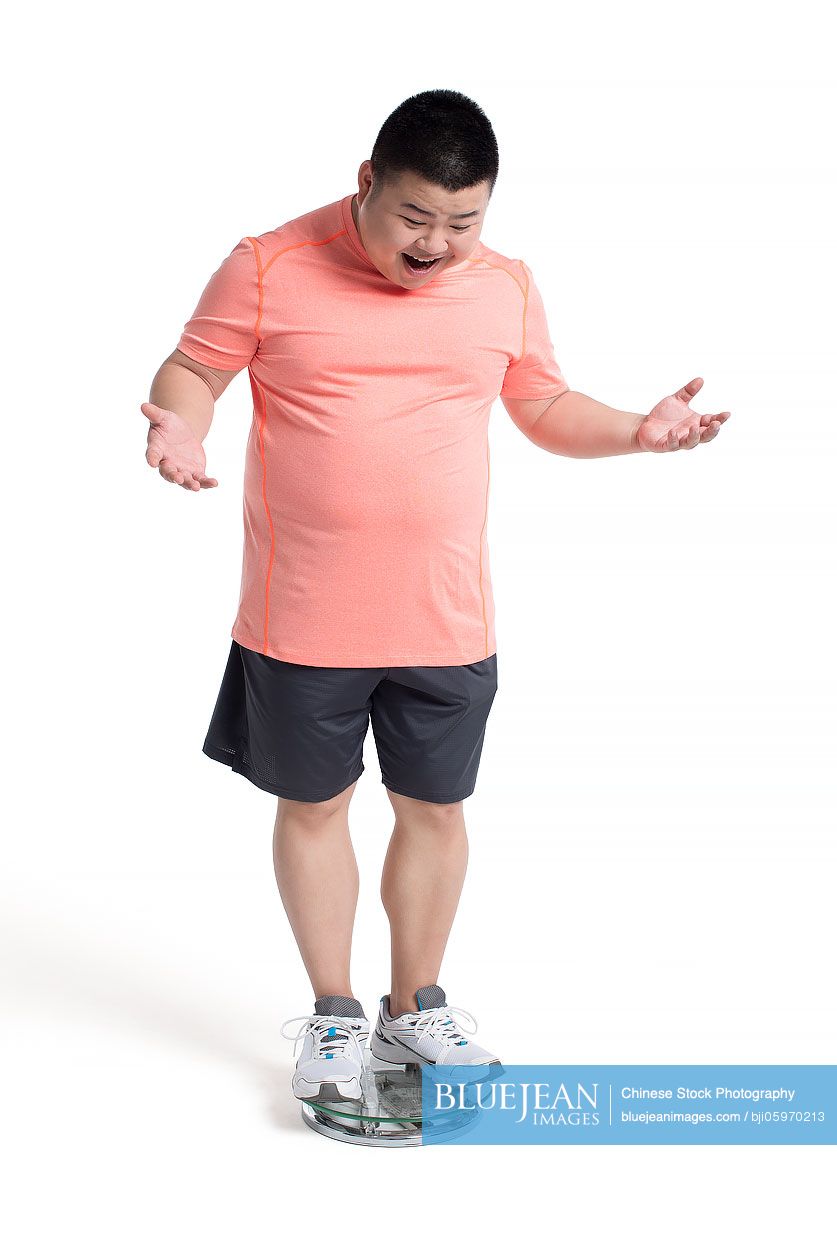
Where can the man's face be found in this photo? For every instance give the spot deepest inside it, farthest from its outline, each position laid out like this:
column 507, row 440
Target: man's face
column 419, row 218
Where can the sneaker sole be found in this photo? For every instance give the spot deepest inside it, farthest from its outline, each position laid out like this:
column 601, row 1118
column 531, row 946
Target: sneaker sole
column 328, row 1091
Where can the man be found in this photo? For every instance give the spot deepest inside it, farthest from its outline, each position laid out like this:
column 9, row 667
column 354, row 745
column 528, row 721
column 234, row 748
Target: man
column 377, row 332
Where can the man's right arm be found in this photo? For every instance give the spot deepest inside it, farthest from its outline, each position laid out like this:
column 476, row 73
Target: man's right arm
column 190, row 389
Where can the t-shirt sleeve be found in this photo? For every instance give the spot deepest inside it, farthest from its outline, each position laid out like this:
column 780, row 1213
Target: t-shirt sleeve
column 534, row 374
column 222, row 330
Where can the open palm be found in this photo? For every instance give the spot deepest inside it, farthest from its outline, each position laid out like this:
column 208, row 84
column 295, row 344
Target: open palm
column 673, row 425
column 175, row 449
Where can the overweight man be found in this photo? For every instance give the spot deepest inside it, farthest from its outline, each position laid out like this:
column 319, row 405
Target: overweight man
column 377, row 331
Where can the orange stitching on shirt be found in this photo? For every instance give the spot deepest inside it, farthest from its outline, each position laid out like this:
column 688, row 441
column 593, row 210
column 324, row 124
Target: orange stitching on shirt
column 260, row 393
column 268, row 573
column 261, row 286
column 523, row 289
column 303, row 244
column 525, row 308
column 494, row 266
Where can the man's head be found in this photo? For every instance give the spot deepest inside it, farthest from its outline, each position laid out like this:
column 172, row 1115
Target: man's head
column 426, row 187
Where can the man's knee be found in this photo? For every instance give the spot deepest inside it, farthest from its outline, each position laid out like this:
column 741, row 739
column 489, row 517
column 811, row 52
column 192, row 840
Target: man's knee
column 438, row 814
column 314, row 813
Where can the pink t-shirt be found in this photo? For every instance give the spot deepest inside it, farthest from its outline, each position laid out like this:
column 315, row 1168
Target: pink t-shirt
column 367, row 468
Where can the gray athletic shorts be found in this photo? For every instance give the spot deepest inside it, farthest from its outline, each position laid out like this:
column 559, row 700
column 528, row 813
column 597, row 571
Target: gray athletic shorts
column 298, row 731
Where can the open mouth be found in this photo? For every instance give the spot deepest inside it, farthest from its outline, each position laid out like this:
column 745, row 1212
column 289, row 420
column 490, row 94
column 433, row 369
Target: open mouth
column 418, row 267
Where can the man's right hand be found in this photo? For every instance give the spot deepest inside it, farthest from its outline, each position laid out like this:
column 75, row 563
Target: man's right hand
column 175, row 449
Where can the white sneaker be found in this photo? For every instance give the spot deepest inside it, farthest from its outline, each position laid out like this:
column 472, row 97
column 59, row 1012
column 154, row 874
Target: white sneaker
column 430, row 1035
column 330, row 1064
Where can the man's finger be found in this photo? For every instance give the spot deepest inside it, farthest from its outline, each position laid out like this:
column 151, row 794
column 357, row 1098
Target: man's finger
column 171, row 472
column 690, row 389
column 154, row 413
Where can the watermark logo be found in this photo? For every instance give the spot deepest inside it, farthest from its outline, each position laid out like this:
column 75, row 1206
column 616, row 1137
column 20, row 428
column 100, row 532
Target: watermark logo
column 718, row 1104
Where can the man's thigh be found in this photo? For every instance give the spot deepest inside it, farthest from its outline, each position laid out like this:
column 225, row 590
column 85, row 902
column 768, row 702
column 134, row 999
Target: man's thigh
column 292, row 730
column 429, row 728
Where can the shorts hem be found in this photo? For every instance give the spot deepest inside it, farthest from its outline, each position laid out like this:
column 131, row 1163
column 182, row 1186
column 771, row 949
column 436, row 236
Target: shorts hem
column 231, row 759
column 441, row 798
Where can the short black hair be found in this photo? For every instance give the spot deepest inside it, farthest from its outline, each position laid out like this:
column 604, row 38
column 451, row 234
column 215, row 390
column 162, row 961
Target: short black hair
column 443, row 137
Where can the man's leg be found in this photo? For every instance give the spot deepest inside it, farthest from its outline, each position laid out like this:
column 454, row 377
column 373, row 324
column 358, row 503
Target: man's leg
column 421, row 883
column 317, row 876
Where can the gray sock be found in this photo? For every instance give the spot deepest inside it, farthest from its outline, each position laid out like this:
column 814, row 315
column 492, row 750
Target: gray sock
column 338, row 1004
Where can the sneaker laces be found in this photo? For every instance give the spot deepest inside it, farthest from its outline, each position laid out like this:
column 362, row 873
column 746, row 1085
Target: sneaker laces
column 438, row 1024
column 350, row 1029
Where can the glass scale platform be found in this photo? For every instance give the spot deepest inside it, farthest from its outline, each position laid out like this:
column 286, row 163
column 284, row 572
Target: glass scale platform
column 389, row 1112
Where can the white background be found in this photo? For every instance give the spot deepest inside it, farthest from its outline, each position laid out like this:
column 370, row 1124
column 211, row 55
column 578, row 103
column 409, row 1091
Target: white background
column 651, row 874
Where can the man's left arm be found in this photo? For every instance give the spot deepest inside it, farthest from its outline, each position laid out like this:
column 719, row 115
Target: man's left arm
column 577, row 426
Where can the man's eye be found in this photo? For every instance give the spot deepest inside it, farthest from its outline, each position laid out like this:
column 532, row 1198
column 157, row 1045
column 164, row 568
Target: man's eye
column 422, row 224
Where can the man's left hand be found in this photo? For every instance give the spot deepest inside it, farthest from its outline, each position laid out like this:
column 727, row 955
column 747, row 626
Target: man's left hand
column 673, row 425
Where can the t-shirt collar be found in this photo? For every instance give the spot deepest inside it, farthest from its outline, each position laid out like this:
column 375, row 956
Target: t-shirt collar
column 352, row 231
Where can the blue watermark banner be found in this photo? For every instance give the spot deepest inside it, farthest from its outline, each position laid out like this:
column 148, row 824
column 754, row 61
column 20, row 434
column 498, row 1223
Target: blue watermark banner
column 580, row 1104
